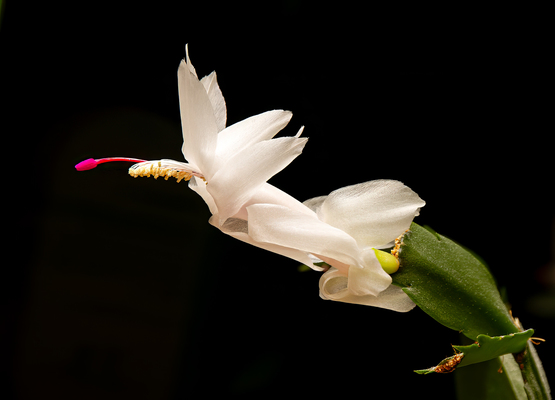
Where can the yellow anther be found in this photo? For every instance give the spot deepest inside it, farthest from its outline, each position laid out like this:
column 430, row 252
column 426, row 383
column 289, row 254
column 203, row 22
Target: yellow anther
column 158, row 170
column 398, row 244
column 183, row 175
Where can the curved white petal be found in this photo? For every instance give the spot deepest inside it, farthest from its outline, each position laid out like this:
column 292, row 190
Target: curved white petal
column 240, row 178
column 238, row 229
column 315, row 203
column 188, row 61
column 179, row 166
column 374, row 213
column 217, row 100
column 371, row 279
column 334, row 286
column 282, row 226
column 269, row 194
column 197, row 120
column 249, row 131
column 199, row 186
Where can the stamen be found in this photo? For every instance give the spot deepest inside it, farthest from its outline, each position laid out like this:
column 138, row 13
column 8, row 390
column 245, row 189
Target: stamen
column 157, row 169
column 91, row 163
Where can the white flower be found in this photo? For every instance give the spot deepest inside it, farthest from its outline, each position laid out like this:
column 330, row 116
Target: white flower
column 342, row 231
column 226, row 166
column 229, row 168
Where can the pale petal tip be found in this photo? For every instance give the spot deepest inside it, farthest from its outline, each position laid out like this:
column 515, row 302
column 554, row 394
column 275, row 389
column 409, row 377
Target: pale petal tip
column 188, row 61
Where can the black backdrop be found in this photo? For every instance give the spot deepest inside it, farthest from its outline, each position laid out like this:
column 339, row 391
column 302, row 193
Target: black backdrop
column 119, row 288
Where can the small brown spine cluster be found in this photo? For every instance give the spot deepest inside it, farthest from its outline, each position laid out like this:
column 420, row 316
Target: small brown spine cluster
column 449, row 365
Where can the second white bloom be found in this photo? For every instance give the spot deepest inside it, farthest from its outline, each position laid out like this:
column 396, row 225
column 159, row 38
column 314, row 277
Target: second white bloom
column 343, row 230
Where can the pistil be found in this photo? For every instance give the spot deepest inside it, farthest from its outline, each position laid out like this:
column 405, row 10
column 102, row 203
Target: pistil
column 91, row 163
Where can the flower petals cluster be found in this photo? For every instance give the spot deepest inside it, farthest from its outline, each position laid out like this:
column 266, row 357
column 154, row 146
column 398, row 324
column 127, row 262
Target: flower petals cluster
column 342, row 231
column 229, row 168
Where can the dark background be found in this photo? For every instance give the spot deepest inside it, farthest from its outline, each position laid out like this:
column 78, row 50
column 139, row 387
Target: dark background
column 118, row 288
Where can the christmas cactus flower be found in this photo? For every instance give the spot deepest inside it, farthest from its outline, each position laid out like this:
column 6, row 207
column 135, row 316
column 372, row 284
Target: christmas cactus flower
column 345, row 231
column 341, row 230
column 217, row 155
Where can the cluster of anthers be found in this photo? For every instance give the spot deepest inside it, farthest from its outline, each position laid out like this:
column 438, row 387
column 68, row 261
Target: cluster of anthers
column 156, row 169
column 398, row 244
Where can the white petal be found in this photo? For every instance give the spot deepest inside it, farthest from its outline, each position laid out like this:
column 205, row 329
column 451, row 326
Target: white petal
column 371, row 279
column 239, row 179
column 268, row 194
column 288, row 228
column 188, row 60
column 179, row 166
column 197, row 120
column 199, row 186
column 315, row 203
column 249, row 131
column 238, row 229
column 333, row 286
column 217, row 100
column 374, row 212
column 300, row 132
